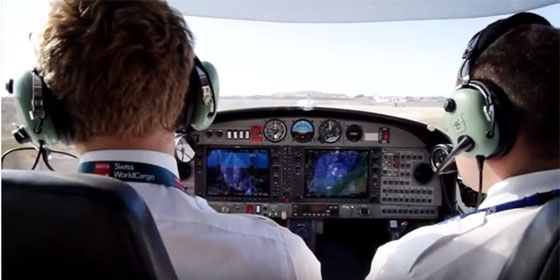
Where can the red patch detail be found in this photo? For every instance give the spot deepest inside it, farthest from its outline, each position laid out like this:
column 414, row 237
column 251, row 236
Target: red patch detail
column 102, row 169
column 179, row 184
column 256, row 133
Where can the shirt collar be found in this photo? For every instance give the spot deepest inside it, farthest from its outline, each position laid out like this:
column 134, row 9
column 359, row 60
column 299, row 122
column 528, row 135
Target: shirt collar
column 517, row 187
column 143, row 156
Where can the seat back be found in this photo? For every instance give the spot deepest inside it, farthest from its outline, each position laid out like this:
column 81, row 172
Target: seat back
column 77, row 226
column 536, row 256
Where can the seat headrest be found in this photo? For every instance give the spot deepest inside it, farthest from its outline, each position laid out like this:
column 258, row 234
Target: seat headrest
column 78, row 226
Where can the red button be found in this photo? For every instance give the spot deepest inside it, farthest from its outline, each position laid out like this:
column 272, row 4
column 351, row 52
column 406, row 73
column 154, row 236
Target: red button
column 250, row 209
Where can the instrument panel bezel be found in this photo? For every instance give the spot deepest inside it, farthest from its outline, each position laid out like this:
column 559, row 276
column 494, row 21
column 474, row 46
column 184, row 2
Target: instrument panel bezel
column 426, row 137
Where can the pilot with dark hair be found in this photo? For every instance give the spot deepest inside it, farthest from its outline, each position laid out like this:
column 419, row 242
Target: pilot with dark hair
column 120, row 69
column 523, row 63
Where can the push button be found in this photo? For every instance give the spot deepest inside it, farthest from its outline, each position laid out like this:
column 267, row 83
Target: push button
column 250, row 209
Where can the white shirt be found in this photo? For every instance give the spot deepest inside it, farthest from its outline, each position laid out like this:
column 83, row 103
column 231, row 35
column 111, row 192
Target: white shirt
column 204, row 244
column 475, row 247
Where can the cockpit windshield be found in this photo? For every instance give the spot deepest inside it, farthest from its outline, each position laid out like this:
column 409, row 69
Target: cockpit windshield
column 404, row 68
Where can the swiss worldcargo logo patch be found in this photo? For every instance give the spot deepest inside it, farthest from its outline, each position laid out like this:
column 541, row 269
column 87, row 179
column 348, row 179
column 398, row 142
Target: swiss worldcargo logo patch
column 102, row 169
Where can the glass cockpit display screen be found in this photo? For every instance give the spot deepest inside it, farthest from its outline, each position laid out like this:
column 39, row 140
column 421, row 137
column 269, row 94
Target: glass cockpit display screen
column 336, row 173
column 237, row 172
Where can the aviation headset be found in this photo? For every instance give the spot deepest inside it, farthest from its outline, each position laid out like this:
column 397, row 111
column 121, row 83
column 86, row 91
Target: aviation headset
column 46, row 122
column 479, row 116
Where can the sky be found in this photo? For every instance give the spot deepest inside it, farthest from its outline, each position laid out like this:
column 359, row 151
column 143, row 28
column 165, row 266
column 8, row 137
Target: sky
column 413, row 58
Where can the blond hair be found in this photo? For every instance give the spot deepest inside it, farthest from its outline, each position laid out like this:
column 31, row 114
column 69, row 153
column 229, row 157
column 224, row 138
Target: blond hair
column 120, row 68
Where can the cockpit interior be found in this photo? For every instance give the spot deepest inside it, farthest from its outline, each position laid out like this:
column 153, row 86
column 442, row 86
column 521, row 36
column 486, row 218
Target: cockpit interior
column 347, row 175
column 337, row 178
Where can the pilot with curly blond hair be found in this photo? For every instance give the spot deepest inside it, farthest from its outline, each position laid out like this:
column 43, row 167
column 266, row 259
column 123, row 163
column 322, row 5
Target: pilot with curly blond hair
column 121, row 70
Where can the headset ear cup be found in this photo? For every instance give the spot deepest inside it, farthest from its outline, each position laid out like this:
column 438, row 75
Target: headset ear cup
column 60, row 118
column 207, row 102
column 185, row 118
column 41, row 130
column 469, row 119
column 189, row 110
column 202, row 99
column 506, row 119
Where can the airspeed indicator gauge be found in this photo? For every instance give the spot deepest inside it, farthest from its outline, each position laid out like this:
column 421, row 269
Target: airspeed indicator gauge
column 275, row 130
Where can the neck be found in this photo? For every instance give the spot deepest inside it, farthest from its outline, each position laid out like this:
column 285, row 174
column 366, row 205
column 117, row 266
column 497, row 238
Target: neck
column 522, row 160
column 159, row 142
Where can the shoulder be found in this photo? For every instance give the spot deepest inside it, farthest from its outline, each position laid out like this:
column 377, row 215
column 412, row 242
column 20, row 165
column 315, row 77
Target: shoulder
column 288, row 248
column 424, row 250
column 256, row 226
column 261, row 236
column 186, row 217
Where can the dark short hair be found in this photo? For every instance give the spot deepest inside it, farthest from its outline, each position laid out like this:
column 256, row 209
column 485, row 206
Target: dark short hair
column 524, row 63
column 120, row 68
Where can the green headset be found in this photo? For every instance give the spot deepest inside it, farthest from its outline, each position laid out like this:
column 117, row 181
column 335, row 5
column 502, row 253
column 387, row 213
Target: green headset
column 45, row 122
column 479, row 116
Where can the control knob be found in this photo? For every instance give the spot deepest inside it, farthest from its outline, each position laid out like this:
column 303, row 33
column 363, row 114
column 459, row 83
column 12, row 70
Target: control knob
column 423, row 173
column 449, row 105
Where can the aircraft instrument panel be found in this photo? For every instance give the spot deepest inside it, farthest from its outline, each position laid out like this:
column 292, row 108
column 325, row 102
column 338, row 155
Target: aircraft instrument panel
column 320, row 164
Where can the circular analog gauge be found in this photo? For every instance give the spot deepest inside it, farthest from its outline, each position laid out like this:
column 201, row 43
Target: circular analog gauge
column 303, row 131
column 354, row 133
column 183, row 150
column 330, row 131
column 438, row 155
column 275, row 130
